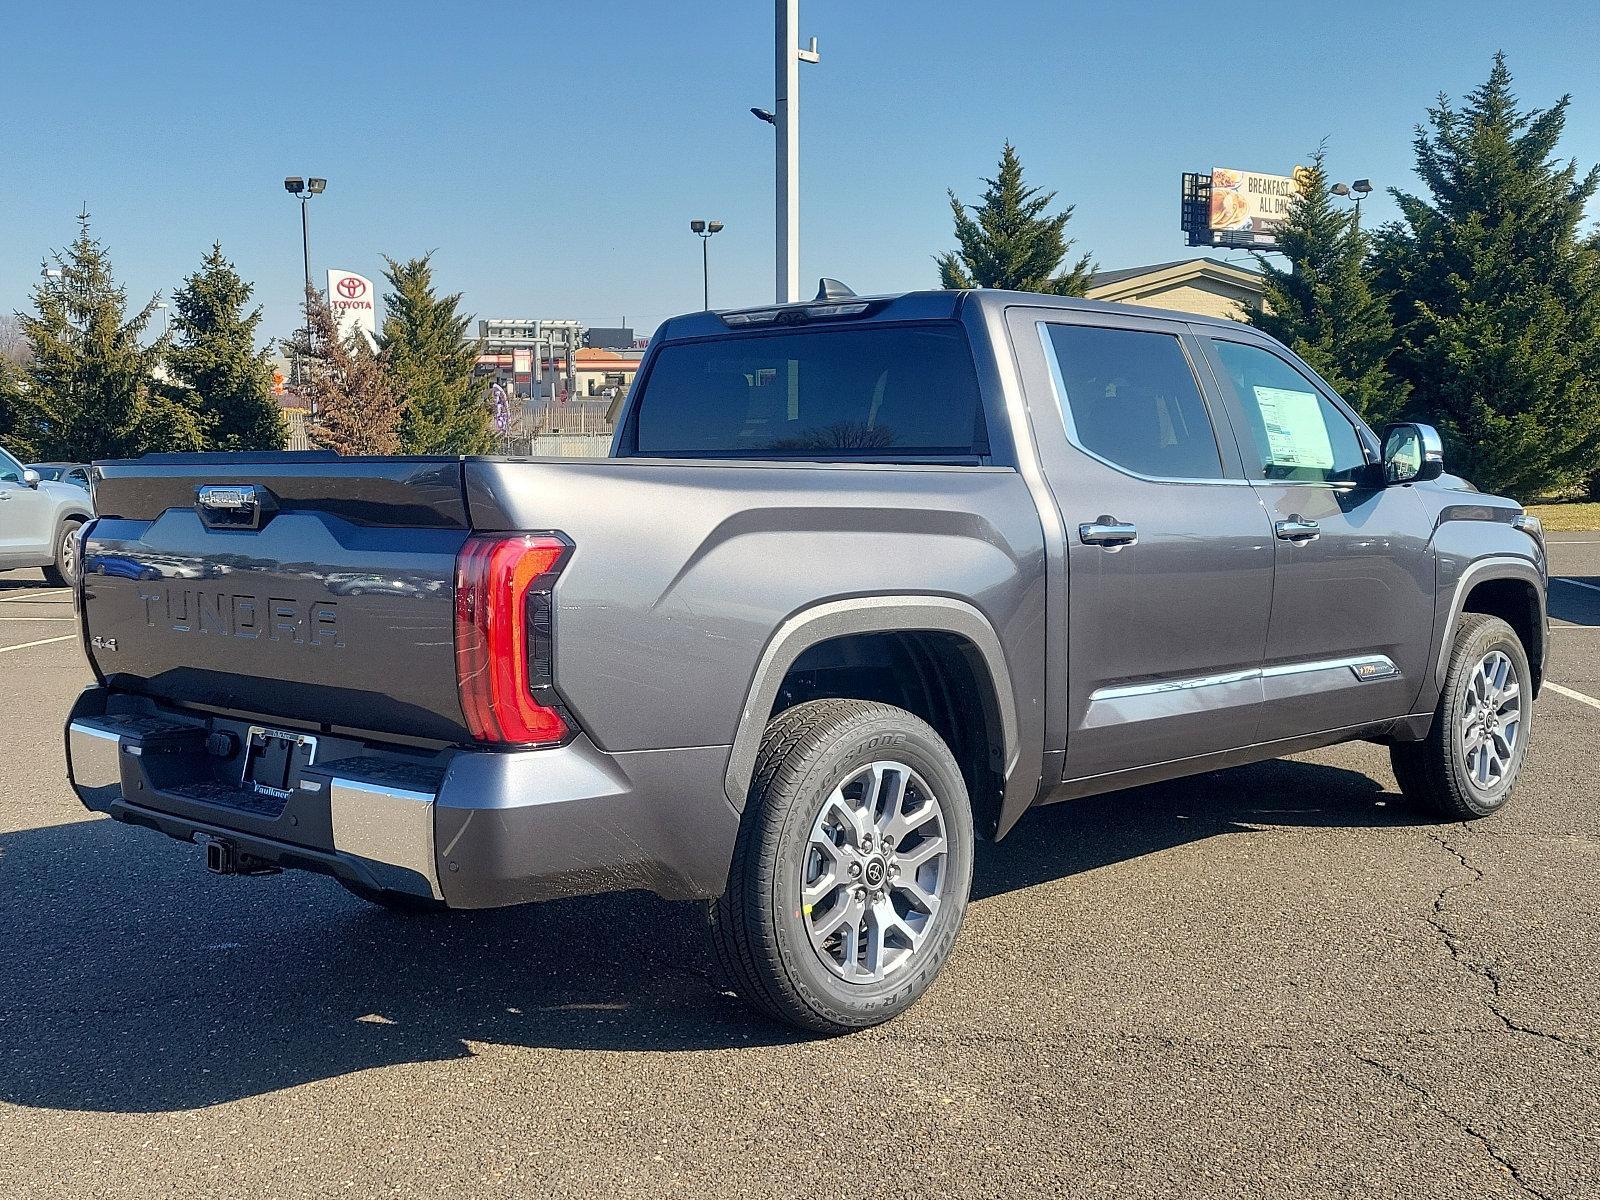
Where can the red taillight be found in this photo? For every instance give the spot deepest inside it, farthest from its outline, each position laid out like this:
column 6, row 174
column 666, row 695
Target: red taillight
column 503, row 637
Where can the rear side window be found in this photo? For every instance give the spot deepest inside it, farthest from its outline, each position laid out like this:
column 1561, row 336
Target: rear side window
column 887, row 391
column 1130, row 398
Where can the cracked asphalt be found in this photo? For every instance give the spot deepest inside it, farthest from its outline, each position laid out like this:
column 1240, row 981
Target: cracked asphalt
column 1270, row 981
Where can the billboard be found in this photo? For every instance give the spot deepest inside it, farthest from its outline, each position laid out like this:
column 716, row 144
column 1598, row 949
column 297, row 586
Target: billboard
column 351, row 298
column 1245, row 200
column 1230, row 207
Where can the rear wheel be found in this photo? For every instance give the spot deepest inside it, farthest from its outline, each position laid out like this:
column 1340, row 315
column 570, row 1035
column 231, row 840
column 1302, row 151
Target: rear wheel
column 64, row 571
column 1467, row 766
column 852, row 867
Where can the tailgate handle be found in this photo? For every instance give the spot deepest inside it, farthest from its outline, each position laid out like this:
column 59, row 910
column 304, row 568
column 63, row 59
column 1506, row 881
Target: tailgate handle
column 234, row 505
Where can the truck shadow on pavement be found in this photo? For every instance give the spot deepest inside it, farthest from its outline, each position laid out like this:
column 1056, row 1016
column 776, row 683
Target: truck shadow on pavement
column 135, row 982
column 1575, row 599
column 10, row 585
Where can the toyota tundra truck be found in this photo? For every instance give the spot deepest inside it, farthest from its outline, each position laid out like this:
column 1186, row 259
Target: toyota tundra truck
column 862, row 581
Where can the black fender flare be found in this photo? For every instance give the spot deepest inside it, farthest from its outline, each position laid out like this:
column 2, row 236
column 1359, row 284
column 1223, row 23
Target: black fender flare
column 1484, row 569
column 875, row 614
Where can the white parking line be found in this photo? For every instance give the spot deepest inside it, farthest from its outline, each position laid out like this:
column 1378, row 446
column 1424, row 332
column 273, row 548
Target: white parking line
column 38, row 595
column 1572, row 695
column 1575, row 583
column 67, row 637
column 31, row 620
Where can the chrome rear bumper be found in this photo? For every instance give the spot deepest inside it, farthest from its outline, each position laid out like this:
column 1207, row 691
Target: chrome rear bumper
column 382, row 832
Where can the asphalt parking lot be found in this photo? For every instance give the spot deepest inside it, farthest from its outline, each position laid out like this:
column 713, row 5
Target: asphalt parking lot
column 1270, row 981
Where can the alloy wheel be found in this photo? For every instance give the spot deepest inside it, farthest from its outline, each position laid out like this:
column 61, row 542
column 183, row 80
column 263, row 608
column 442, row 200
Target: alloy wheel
column 874, row 872
column 69, row 554
column 1491, row 721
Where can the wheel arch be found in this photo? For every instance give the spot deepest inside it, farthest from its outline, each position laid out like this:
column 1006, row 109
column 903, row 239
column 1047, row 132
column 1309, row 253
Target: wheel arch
column 949, row 669
column 1512, row 589
column 70, row 514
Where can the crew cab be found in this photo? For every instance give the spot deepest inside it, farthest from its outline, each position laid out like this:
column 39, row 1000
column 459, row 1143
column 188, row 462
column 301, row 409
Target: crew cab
column 863, row 581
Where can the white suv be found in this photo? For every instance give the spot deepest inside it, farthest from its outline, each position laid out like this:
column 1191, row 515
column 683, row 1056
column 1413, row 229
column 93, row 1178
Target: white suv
column 39, row 522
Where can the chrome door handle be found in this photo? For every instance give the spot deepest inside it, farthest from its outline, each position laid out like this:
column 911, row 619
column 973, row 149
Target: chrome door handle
column 1295, row 529
column 1108, row 533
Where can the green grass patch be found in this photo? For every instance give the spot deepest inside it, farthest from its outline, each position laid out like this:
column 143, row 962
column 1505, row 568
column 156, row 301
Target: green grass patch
column 1567, row 518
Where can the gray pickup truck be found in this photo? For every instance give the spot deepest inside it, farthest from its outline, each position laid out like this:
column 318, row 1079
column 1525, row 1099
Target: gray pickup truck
column 863, row 581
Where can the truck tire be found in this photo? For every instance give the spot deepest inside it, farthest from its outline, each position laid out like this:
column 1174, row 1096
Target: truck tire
column 825, row 925
column 1467, row 766
column 63, row 572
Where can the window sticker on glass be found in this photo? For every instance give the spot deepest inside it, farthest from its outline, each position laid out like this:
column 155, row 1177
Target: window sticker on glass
column 1296, row 432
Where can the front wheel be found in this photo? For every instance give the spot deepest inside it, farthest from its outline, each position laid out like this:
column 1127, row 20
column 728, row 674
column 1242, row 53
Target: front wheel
column 852, row 867
column 1468, row 765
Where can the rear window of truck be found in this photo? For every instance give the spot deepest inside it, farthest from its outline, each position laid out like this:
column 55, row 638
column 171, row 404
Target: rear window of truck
column 888, row 391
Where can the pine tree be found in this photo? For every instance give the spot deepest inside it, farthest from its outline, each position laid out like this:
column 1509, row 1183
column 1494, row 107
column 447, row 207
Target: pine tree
column 1008, row 242
column 353, row 408
column 430, row 363
column 94, row 389
column 16, row 414
column 214, row 357
column 1324, row 307
column 1497, row 295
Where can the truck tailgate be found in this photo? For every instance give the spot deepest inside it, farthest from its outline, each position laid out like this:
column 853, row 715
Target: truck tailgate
column 314, row 588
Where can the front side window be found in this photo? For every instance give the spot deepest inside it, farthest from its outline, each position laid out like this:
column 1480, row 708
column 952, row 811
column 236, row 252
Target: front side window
column 1130, row 398
column 10, row 469
column 1297, row 435
column 889, row 391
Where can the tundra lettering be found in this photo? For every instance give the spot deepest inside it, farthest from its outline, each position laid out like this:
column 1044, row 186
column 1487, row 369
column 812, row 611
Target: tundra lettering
column 863, row 581
column 188, row 610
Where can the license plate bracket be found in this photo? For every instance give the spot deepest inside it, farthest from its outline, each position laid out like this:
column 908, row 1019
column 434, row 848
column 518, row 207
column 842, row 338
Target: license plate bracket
column 274, row 758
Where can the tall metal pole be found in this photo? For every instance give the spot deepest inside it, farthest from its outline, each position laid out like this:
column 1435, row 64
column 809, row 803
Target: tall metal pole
column 705, row 274
column 305, row 239
column 786, row 117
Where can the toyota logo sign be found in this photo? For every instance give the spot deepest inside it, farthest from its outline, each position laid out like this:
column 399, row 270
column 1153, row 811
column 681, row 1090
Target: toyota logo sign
column 350, row 297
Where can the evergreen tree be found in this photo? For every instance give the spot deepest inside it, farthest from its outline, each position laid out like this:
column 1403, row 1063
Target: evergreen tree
column 214, row 357
column 16, row 417
column 430, row 363
column 1497, row 295
column 353, row 408
column 1324, row 307
column 1009, row 242
column 93, row 387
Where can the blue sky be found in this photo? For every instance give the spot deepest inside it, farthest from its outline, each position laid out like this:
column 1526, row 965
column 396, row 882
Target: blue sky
column 553, row 154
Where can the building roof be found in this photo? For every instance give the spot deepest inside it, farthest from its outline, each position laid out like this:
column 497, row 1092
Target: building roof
column 1106, row 278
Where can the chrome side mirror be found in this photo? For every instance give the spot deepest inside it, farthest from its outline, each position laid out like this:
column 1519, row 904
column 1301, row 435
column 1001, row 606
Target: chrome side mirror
column 30, row 477
column 1412, row 453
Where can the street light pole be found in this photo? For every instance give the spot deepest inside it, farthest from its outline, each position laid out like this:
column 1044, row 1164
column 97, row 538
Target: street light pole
column 1360, row 189
column 305, row 237
column 303, row 190
column 786, row 119
column 705, row 229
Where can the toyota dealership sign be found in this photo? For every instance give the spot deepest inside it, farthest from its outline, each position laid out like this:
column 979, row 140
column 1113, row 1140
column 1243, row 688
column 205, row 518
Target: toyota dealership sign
column 351, row 298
